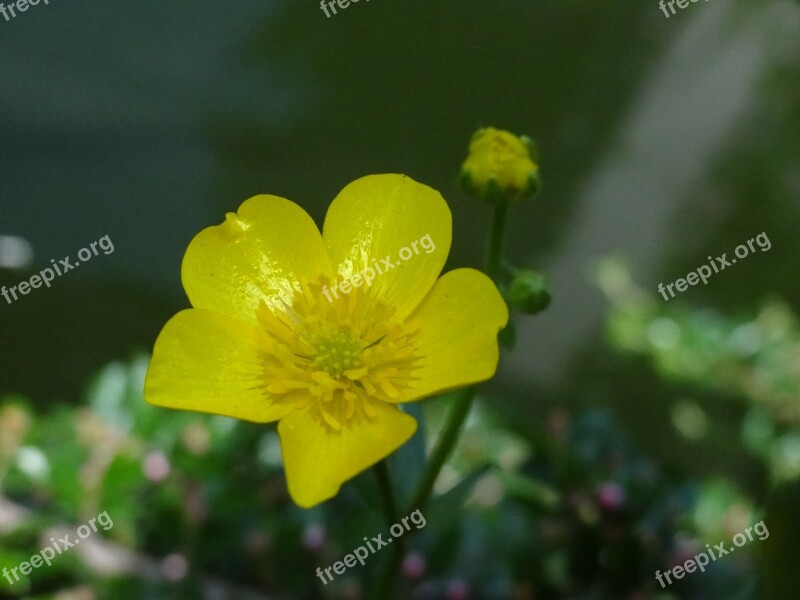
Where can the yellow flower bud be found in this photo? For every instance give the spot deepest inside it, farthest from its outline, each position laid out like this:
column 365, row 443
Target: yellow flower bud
column 499, row 166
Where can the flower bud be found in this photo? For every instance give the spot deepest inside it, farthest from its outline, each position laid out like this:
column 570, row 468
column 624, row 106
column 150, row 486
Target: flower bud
column 500, row 167
column 414, row 565
column 611, row 497
column 528, row 292
column 314, row 537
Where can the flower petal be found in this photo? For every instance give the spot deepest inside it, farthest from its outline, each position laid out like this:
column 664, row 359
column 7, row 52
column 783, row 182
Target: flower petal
column 377, row 217
column 457, row 340
column 208, row 362
column 259, row 253
column 318, row 460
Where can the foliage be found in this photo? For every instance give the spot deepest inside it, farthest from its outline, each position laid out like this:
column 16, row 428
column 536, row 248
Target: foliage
column 198, row 502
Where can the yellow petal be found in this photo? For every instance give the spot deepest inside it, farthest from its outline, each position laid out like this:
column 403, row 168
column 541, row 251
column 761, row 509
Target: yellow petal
column 457, row 339
column 208, row 362
column 259, row 253
column 318, row 460
column 378, row 217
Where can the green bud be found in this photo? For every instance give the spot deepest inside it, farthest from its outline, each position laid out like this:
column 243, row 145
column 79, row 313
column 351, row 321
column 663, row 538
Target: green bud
column 528, row 292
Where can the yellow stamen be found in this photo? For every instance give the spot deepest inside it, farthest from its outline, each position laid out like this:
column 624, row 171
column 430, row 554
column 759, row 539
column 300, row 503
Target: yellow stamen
column 342, row 355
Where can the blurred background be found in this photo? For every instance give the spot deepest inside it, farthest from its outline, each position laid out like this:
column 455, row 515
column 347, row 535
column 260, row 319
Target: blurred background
column 621, row 435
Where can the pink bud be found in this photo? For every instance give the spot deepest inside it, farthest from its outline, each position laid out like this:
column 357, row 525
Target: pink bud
column 156, row 466
column 414, row 565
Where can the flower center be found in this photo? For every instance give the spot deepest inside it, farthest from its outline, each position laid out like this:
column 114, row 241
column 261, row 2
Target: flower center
column 336, row 357
column 336, row 352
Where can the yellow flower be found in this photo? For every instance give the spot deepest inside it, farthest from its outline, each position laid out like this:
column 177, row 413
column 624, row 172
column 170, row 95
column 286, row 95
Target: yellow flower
column 499, row 166
column 264, row 343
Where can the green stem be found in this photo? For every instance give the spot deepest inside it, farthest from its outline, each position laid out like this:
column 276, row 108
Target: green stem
column 463, row 402
column 397, row 551
column 452, row 430
column 388, row 502
column 444, row 445
column 383, row 589
column 494, row 255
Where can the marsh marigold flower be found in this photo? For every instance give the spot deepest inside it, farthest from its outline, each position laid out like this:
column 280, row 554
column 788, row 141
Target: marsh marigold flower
column 499, row 166
column 263, row 343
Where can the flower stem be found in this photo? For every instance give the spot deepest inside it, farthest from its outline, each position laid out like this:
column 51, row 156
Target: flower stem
column 444, row 445
column 455, row 421
column 463, row 402
column 384, row 478
column 389, row 573
column 449, row 436
column 397, row 551
column 494, row 255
